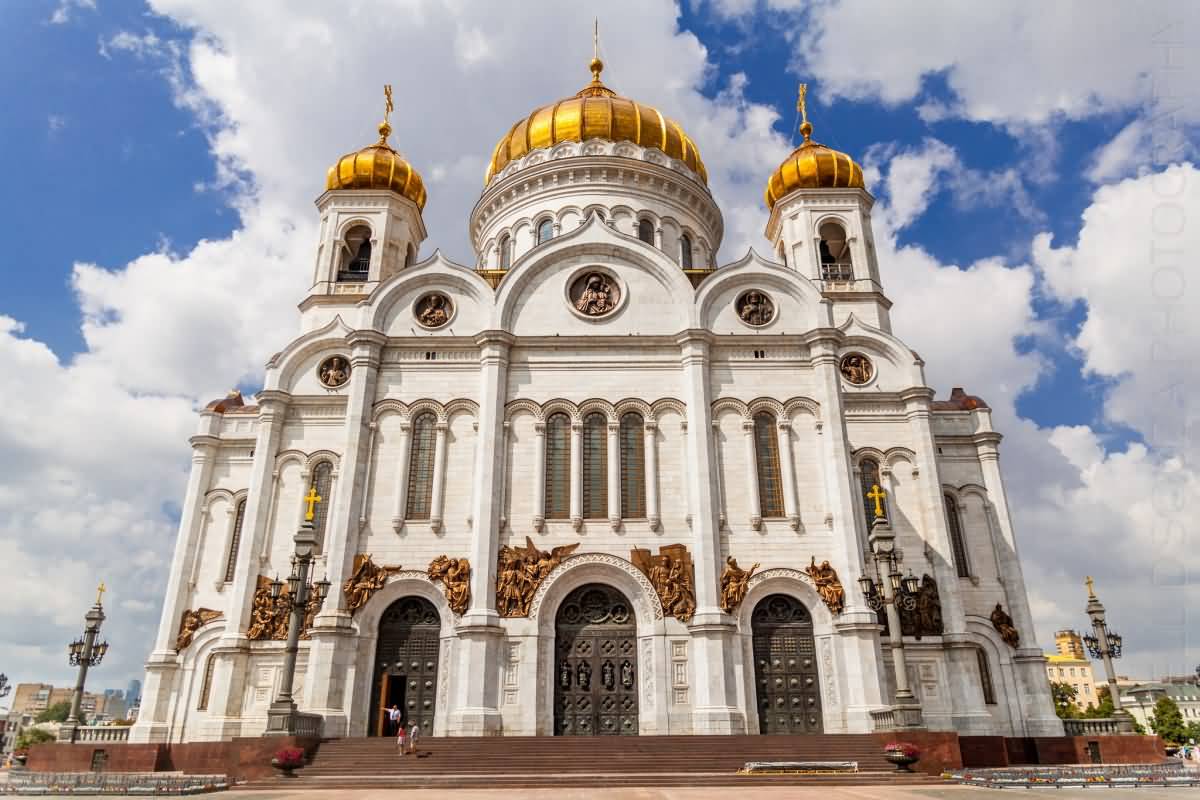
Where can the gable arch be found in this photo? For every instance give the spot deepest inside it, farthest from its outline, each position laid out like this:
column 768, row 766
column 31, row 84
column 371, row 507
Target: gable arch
column 768, row 404
column 596, row 404
column 730, row 404
column 418, row 407
column 637, row 406
column 514, row 407
column 285, row 367
column 467, row 290
column 798, row 305
column 552, row 407
column 461, row 406
column 387, row 407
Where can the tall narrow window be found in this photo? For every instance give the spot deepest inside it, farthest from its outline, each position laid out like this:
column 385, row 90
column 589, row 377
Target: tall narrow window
column 685, row 251
column 985, row 677
column 766, row 450
column 420, row 466
column 957, row 543
column 595, row 466
column 235, row 540
column 206, row 683
column 646, row 231
column 505, row 251
column 558, row 467
column 633, row 466
column 545, row 231
column 322, row 481
column 868, row 470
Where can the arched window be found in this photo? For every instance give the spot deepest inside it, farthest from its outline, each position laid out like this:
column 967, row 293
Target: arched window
column 235, row 540
column 595, row 466
column 558, row 467
column 505, row 251
column 646, row 231
column 985, row 677
column 957, row 543
column 835, row 253
column 766, row 450
column 356, row 259
column 868, row 470
column 598, row 212
column 420, row 466
column 206, row 683
column 545, row 230
column 685, row 251
column 633, row 466
column 322, row 481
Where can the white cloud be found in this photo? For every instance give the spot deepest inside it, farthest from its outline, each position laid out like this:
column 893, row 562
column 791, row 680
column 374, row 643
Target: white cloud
column 55, row 123
column 65, row 10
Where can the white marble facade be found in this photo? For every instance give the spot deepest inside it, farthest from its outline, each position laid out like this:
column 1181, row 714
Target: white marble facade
column 515, row 351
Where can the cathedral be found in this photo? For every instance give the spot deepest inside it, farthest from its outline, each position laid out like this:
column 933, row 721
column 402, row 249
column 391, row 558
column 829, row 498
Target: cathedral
column 596, row 483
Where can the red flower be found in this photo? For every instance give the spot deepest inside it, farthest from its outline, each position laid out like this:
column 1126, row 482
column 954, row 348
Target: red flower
column 290, row 757
column 907, row 748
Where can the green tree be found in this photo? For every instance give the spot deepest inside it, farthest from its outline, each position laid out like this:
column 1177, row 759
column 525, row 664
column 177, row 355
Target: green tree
column 55, row 713
column 32, row 736
column 1104, row 705
column 1167, row 721
column 1064, row 700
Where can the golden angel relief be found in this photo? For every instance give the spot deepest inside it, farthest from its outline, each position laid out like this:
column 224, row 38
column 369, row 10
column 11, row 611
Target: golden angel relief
column 1003, row 623
column 519, row 573
column 673, row 577
column 190, row 622
column 734, row 580
column 828, row 585
column 366, row 579
column 455, row 575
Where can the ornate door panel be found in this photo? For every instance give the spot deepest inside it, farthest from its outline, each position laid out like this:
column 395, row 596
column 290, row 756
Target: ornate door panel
column 596, row 669
column 409, row 635
column 785, row 667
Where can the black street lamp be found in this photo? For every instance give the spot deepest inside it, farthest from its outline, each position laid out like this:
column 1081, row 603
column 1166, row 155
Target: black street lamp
column 84, row 653
column 1106, row 645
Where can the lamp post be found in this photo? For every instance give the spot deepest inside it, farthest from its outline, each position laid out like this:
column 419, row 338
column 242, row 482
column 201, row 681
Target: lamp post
column 889, row 590
column 1106, row 645
column 84, row 653
column 283, row 719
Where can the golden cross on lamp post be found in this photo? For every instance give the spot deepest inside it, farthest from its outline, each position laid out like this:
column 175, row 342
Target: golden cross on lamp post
column 1091, row 587
column 100, row 590
column 312, row 498
column 877, row 495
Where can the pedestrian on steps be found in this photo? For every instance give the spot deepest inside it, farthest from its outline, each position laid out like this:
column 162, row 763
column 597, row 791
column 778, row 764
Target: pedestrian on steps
column 393, row 718
column 400, row 740
column 413, row 734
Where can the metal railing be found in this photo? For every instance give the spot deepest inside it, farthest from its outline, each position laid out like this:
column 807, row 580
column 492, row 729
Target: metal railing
column 838, row 272
column 102, row 733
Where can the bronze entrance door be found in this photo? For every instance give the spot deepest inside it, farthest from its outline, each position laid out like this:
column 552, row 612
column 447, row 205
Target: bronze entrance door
column 595, row 664
column 406, row 665
column 785, row 667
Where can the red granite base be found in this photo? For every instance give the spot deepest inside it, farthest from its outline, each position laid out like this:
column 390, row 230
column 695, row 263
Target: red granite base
column 239, row 759
column 998, row 751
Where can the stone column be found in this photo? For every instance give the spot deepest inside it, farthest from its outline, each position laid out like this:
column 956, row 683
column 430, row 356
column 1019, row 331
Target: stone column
column 650, row 446
column 539, row 475
column 752, row 494
column 576, row 475
column 400, row 500
column 475, row 684
column 715, row 709
column 161, row 668
column 788, row 475
column 331, row 654
column 614, row 476
column 439, row 476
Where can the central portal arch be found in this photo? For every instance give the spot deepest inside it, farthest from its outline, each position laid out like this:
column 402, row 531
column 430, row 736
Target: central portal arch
column 785, row 667
column 595, row 663
column 406, row 665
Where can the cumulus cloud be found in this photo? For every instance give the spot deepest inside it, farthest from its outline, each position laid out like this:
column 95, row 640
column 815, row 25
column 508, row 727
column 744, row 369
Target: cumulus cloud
column 64, row 12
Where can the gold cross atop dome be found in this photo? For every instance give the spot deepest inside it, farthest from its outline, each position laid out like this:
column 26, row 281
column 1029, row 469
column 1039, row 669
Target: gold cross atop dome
column 1091, row 587
column 385, row 127
column 312, row 498
column 597, row 66
column 100, row 590
column 877, row 495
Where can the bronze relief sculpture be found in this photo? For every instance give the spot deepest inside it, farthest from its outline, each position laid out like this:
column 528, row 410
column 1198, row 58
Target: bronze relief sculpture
column 755, row 308
column 733, row 584
column 856, row 368
column 192, row 621
column 366, row 579
column 673, row 577
column 924, row 619
column 455, row 575
column 594, row 294
column 334, row 372
column 1003, row 624
column 434, row 310
column 828, row 585
column 519, row 573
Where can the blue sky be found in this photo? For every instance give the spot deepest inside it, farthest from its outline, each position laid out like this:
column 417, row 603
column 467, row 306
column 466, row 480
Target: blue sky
column 123, row 120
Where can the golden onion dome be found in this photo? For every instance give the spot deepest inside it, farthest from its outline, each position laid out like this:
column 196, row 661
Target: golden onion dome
column 813, row 166
column 378, row 166
column 595, row 112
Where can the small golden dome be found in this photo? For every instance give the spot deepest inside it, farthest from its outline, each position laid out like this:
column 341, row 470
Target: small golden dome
column 595, row 112
column 378, row 166
column 813, row 166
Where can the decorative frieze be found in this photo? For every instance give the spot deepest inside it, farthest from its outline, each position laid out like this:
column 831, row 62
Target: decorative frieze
column 825, row 580
column 519, row 573
column 734, row 582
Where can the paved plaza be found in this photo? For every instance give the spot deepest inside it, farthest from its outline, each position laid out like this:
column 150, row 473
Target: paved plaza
column 723, row 793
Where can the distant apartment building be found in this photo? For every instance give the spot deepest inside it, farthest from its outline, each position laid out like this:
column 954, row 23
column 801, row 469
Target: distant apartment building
column 1140, row 700
column 1071, row 666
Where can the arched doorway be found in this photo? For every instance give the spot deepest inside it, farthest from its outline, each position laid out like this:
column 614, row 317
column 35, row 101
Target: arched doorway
column 595, row 664
column 406, row 665
column 785, row 667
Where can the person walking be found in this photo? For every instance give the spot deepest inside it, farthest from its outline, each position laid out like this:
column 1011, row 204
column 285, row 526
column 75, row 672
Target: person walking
column 413, row 734
column 400, row 740
column 393, row 718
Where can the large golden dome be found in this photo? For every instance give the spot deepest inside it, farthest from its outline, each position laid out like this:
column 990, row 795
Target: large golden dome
column 378, row 166
column 595, row 112
column 813, row 166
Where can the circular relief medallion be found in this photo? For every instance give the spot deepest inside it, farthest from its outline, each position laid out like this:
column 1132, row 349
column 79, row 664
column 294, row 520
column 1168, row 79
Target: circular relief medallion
column 857, row 368
column 594, row 293
column 755, row 308
column 433, row 310
column 334, row 372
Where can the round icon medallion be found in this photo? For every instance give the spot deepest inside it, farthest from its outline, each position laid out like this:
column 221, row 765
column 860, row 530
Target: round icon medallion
column 433, row 310
column 594, row 293
column 334, row 372
column 857, row 368
column 755, row 308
